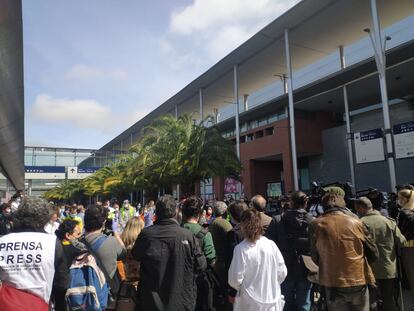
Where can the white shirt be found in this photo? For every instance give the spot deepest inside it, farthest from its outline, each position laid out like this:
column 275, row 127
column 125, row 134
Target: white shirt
column 27, row 262
column 51, row 227
column 256, row 272
column 14, row 206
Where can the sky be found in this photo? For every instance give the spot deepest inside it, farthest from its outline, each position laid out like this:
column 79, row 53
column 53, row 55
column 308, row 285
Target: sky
column 92, row 68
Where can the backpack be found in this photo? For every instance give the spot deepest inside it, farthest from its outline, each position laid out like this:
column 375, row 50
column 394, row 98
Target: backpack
column 210, row 296
column 88, row 288
column 289, row 234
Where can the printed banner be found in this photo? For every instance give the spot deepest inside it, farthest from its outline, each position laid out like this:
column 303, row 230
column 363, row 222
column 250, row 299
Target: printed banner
column 44, row 172
column 404, row 140
column 369, row 146
column 75, row 172
column 230, row 185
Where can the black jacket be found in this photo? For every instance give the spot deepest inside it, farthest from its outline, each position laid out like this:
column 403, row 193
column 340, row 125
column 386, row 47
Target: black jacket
column 234, row 237
column 170, row 261
column 290, row 232
column 406, row 223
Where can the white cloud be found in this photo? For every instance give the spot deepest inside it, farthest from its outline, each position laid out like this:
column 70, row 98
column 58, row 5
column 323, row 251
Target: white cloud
column 81, row 113
column 135, row 116
column 85, row 114
column 85, row 72
column 220, row 26
column 226, row 40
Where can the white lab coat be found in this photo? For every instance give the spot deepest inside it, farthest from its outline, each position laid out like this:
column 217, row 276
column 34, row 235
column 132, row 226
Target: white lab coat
column 256, row 272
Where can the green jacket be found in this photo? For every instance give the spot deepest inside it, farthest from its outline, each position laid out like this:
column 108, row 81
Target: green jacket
column 208, row 246
column 388, row 238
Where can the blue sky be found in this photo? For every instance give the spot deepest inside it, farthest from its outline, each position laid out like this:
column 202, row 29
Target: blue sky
column 92, row 68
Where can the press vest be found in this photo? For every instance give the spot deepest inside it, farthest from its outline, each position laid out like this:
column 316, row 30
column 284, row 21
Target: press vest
column 27, row 262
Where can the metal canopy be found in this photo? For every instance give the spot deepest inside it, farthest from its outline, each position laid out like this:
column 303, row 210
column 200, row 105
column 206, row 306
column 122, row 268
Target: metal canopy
column 11, row 93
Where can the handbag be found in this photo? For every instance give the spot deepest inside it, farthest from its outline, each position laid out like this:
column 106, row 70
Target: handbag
column 127, row 295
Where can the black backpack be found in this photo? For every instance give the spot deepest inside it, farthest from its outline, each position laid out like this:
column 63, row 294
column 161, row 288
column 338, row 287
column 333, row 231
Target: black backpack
column 209, row 294
column 288, row 233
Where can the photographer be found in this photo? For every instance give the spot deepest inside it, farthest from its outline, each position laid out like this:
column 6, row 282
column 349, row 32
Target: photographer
column 290, row 232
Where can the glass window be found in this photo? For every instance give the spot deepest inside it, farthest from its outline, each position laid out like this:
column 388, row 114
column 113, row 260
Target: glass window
column 273, row 118
column 269, row 131
column 262, row 122
column 253, row 124
column 28, row 160
column 81, row 156
column 249, row 137
column 65, row 158
column 243, row 127
column 44, row 157
column 282, row 114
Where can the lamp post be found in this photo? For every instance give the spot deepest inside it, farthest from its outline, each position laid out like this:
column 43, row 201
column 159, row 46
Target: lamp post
column 291, row 113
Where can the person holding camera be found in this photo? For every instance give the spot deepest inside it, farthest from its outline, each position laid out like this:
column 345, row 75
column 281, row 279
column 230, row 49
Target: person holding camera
column 290, row 232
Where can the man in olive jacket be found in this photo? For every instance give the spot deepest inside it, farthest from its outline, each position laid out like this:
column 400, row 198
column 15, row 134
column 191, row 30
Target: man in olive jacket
column 388, row 239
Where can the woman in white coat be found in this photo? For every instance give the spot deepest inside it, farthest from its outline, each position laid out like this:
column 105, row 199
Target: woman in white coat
column 257, row 269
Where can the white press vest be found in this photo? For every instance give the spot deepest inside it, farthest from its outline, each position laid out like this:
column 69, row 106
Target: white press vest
column 27, row 262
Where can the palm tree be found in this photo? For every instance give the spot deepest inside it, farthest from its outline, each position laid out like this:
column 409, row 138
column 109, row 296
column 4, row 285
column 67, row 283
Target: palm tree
column 66, row 190
column 179, row 151
column 172, row 151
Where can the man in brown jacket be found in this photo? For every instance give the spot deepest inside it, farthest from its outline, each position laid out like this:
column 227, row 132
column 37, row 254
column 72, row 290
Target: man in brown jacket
column 341, row 246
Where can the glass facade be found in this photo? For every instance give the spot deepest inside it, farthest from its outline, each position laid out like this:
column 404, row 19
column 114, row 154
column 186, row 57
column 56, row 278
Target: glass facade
column 43, row 160
column 250, row 125
column 44, row 156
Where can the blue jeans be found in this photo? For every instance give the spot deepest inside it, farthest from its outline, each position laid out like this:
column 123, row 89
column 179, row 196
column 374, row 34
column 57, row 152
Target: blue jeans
column 297, row 295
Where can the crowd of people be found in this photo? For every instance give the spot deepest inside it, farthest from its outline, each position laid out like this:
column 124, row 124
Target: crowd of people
column 215, row 255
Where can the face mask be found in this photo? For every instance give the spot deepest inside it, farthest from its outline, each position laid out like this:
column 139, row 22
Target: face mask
column 18, row 200
column 73, row 215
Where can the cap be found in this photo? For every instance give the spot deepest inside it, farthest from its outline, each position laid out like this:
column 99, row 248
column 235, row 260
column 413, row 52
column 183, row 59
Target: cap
column 335, row 189
column 220, row 208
